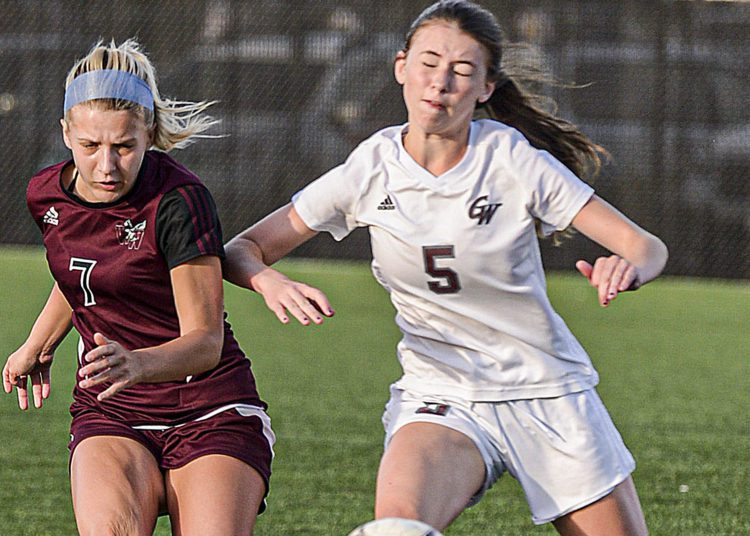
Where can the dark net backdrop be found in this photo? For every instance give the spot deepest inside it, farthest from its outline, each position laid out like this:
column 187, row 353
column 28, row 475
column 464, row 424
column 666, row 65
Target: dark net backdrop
column 300, row 83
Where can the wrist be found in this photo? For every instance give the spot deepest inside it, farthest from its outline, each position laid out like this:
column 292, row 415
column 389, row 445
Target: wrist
column 262, row 279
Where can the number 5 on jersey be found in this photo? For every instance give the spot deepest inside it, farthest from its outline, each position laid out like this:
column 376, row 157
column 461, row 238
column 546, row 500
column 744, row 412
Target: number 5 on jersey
column 447, row 282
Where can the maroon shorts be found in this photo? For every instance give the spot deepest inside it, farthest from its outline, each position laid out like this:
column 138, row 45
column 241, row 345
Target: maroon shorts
column 242, row 432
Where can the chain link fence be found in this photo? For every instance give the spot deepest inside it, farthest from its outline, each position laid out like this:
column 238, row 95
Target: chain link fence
column 301, row 82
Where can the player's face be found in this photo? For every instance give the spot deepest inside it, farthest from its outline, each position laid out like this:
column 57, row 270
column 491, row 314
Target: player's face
column 108, row 148
column 444, row 75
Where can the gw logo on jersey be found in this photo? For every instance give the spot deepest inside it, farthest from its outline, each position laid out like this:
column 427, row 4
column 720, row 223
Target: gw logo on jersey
column 482, row 211
column 129, row 234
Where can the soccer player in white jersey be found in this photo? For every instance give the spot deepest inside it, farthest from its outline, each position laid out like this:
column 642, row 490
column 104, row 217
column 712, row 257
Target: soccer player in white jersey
column 493, row 380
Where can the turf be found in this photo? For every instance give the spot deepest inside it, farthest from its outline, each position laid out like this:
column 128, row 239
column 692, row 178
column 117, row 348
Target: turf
column 674, row 360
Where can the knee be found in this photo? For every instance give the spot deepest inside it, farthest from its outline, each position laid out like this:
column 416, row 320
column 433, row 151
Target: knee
column 402, row 508
column 127, row 522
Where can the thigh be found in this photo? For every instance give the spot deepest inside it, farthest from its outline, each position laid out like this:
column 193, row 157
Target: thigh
column 117, row 486
column 239, row 431
column 214, row 495
column 565, row 452
column 617, row 514
column 428, row 472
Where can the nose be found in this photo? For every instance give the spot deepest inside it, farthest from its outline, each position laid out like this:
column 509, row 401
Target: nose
column 441, row 80
column 107, row 162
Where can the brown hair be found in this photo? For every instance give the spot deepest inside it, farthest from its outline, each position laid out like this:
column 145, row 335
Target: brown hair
column 511, row 103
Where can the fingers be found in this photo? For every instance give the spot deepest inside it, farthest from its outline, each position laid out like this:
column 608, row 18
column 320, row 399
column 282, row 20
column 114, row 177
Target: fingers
column 11, row 379
column 103, row 362
column 7, row 385
column 36, row 390
column 109, row 362
column 112, row 390
column 610, row 276
column 46, row 383
column 100, row 339
column 40, row 387
column 585, row 268
column 306, row 304
column 23, row 395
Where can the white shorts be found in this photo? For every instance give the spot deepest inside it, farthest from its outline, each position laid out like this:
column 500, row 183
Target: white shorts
column 565, row 452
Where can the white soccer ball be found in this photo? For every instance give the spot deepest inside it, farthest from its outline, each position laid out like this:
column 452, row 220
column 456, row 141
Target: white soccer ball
column 395, row 526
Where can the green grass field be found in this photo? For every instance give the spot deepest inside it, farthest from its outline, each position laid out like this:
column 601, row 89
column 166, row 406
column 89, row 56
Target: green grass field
column 674, row 360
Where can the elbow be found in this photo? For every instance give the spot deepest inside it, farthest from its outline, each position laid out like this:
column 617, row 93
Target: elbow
column 654, row 258
column 210, row 352
column 213, row 354
column 663, row 253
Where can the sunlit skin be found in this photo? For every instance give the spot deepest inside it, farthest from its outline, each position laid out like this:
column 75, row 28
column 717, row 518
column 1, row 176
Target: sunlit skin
column 444, row 76
column 108, row 147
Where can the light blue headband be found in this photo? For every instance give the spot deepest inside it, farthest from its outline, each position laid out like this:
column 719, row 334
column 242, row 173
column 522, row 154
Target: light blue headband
column 108, row 84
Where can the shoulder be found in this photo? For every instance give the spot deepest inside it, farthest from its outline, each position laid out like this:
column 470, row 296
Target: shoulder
column 171, row 172
column 381, row 143
column 45, row 181
column 498, row 135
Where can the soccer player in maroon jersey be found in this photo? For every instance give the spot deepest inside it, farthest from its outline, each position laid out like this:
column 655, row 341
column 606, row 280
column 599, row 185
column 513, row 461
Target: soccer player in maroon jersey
column 166, row 415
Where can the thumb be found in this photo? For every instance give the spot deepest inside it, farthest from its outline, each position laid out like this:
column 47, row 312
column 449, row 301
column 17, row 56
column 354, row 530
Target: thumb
column 585, row 268
column 100, row 339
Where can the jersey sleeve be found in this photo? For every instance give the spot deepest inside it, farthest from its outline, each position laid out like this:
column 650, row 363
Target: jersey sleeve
column 555, row 194
column 330, row 203
column 187, row 225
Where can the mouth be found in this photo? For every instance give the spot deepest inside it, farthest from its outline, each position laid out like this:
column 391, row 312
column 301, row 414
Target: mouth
column 109, row 186
column 433, row 104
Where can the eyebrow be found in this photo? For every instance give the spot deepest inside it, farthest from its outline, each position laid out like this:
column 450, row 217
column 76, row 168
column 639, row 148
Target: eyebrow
column 84, row 138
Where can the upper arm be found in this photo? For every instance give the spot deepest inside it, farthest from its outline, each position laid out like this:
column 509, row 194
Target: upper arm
column 605, row 225
column 199, row 295
column 275, row 235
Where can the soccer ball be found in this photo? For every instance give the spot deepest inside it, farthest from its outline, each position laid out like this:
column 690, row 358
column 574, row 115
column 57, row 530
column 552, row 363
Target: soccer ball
column 395, row 526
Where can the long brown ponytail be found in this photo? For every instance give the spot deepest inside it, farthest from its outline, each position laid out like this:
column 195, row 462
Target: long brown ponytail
column 511, row 102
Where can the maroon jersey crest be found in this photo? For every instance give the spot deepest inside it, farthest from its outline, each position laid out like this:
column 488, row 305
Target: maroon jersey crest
column 130, row 234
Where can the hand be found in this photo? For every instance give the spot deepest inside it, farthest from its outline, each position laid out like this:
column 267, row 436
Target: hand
column 23, row 364
column 110, row 362
column 610, row 275
column 282, row 296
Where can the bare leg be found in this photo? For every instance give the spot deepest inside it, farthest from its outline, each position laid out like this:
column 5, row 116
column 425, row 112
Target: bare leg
column 428, row 472
column 617, row 514
column 117, row 487
column 214, row 495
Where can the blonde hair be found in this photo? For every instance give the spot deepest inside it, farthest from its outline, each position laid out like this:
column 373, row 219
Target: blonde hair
column 176, row 124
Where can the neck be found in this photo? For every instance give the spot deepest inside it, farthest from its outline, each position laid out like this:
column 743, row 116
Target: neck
column 434, row 152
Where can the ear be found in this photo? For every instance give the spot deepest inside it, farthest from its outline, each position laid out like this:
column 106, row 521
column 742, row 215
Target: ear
column 489, row 89
column 66, row 134
column 399, row 67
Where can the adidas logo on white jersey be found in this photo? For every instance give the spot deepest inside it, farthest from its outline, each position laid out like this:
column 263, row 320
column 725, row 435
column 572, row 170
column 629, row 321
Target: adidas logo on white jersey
column 386, row 204
column 51, row 216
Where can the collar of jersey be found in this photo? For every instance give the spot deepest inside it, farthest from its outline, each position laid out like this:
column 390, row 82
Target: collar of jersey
column 454, row 180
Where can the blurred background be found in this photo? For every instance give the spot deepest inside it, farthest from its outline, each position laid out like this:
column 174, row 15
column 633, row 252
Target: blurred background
column 301, row 82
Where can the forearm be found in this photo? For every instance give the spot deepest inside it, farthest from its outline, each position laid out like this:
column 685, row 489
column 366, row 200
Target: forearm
column 52, row 324
column 187, row 355
column 250, row 254
column 244, row 260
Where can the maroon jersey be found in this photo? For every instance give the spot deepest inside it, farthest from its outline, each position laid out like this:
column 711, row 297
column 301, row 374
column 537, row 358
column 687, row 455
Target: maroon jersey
column 112, row 263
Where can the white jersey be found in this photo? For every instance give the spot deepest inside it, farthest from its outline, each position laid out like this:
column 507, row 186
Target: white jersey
column 460, row 258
